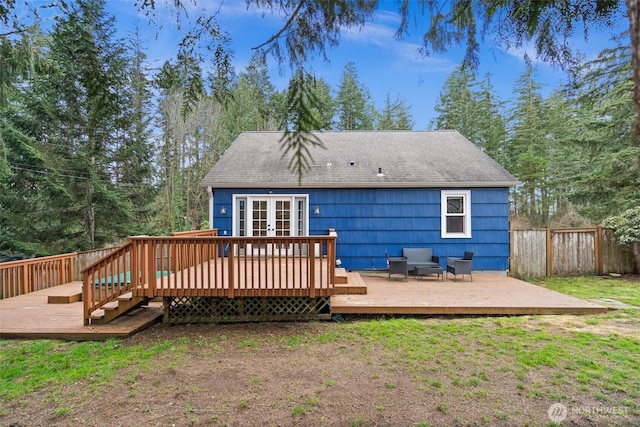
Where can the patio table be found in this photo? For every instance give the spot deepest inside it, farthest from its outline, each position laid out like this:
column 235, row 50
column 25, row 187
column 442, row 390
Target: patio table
column 423, row 271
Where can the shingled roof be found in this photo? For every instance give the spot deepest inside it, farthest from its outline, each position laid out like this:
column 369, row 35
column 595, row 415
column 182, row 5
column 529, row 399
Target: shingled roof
column 352, row 159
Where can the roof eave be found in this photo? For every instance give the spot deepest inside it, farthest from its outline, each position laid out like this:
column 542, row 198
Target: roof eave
column 264, row 185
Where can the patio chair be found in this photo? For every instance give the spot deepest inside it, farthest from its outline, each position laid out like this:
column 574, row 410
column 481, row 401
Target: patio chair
column 397, row 265
column 460, row 265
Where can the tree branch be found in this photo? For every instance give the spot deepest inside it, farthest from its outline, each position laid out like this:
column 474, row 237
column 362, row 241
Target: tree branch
column 284, row 27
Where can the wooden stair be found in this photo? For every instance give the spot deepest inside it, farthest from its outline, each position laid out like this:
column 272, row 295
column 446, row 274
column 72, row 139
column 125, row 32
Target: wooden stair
column 66, row 294
column 109, row 311
column 341, row 277
column 349, row 283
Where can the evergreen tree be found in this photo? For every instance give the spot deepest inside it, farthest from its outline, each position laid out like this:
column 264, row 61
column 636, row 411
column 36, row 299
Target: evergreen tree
column 323, row 109
column 456, row 105
column 355, row 110
column 69, row 123
column 394, row 115
column 471, row 107
column 133, row 156
column 526, row 152
column 489, row 130
column 602, row 99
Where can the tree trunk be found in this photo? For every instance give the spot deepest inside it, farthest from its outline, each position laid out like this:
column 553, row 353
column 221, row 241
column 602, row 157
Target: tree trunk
column 633, row 8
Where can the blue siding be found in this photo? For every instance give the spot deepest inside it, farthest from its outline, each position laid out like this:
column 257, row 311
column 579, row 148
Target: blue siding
column 370, row 221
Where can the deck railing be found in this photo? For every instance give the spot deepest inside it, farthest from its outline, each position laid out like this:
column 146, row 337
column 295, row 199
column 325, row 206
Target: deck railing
column 213, row 266
column 29, row 275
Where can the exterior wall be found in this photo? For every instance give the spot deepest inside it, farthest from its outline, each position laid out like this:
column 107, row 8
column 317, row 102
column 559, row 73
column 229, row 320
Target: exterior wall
column 370, row 221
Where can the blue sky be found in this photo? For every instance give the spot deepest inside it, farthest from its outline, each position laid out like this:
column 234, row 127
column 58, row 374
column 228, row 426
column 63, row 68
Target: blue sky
column 384, row 65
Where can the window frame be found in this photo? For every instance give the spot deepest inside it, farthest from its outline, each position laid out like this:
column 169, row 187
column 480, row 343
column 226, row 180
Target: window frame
column 466, row 214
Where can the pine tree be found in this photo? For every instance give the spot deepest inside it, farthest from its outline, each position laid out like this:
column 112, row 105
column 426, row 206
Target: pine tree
column 133, row 156
column 456, row 105
column 394, row 115
column 489, row 130
column 603, row 104
column 527, row 151
column 355, row 110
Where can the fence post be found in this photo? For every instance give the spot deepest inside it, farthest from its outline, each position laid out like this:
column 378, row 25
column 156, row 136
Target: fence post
column 597, row 242
column 549, row 252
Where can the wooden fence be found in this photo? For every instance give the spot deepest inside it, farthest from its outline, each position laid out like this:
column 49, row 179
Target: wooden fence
column 566, row 252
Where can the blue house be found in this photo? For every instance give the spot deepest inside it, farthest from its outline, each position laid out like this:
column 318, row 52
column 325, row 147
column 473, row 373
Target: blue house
column 380, row 190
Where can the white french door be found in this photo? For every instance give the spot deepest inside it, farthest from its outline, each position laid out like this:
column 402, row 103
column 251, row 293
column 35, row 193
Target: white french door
column 270, row 216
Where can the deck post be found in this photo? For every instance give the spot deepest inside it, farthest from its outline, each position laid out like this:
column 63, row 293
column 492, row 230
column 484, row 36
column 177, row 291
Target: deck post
column 312, row 267
column 331, row 257
column 151, row 268
column 230, row 273
column 135, row 264
column 87, row 297
column 26, row 282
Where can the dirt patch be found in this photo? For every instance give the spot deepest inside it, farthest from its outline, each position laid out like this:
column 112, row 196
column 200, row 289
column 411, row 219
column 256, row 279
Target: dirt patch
column 266, row 375
column 628, row 327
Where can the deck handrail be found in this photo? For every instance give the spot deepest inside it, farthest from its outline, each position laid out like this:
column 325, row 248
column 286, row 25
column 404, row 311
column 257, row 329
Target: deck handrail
column 107, row 278
column 34, row 274
column 213, row 266
column 193, row 233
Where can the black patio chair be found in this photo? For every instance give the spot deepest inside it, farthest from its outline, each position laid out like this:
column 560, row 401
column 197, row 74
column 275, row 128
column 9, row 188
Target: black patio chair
column 397, row 265
column 460, row 265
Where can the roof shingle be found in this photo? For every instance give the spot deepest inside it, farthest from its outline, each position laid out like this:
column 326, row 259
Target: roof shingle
column 353, row 159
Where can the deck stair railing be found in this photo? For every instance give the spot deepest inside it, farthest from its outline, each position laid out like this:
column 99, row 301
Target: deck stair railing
column 34, row 274
column 212, row 266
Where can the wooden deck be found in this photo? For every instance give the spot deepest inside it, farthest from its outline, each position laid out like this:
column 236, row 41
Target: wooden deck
column 488, row 294
column 31, row 316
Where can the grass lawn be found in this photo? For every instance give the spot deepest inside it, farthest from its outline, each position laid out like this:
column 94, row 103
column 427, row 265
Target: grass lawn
column 402, row 371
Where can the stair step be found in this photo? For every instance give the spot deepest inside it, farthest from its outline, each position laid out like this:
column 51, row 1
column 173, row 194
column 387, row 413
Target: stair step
column 65, row 298
column 113, row 305
column 355, row 285
column 126, row 297
column 341, row 276
column 97, row 314
column 113, row 309
column 66, row 294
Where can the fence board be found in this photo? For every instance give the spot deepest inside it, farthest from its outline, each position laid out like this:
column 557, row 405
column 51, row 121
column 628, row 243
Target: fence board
column 616, row 258
column 528, row 253
column 574, row 252
column 566, row 252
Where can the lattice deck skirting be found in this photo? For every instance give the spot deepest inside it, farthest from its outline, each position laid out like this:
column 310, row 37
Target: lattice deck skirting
column 250, row 309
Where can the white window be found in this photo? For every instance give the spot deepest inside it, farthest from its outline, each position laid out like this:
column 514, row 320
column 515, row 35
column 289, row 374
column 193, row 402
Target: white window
column 456, row 214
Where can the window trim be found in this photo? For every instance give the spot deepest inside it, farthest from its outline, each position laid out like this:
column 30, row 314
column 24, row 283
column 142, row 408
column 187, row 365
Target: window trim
column 466, row 195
